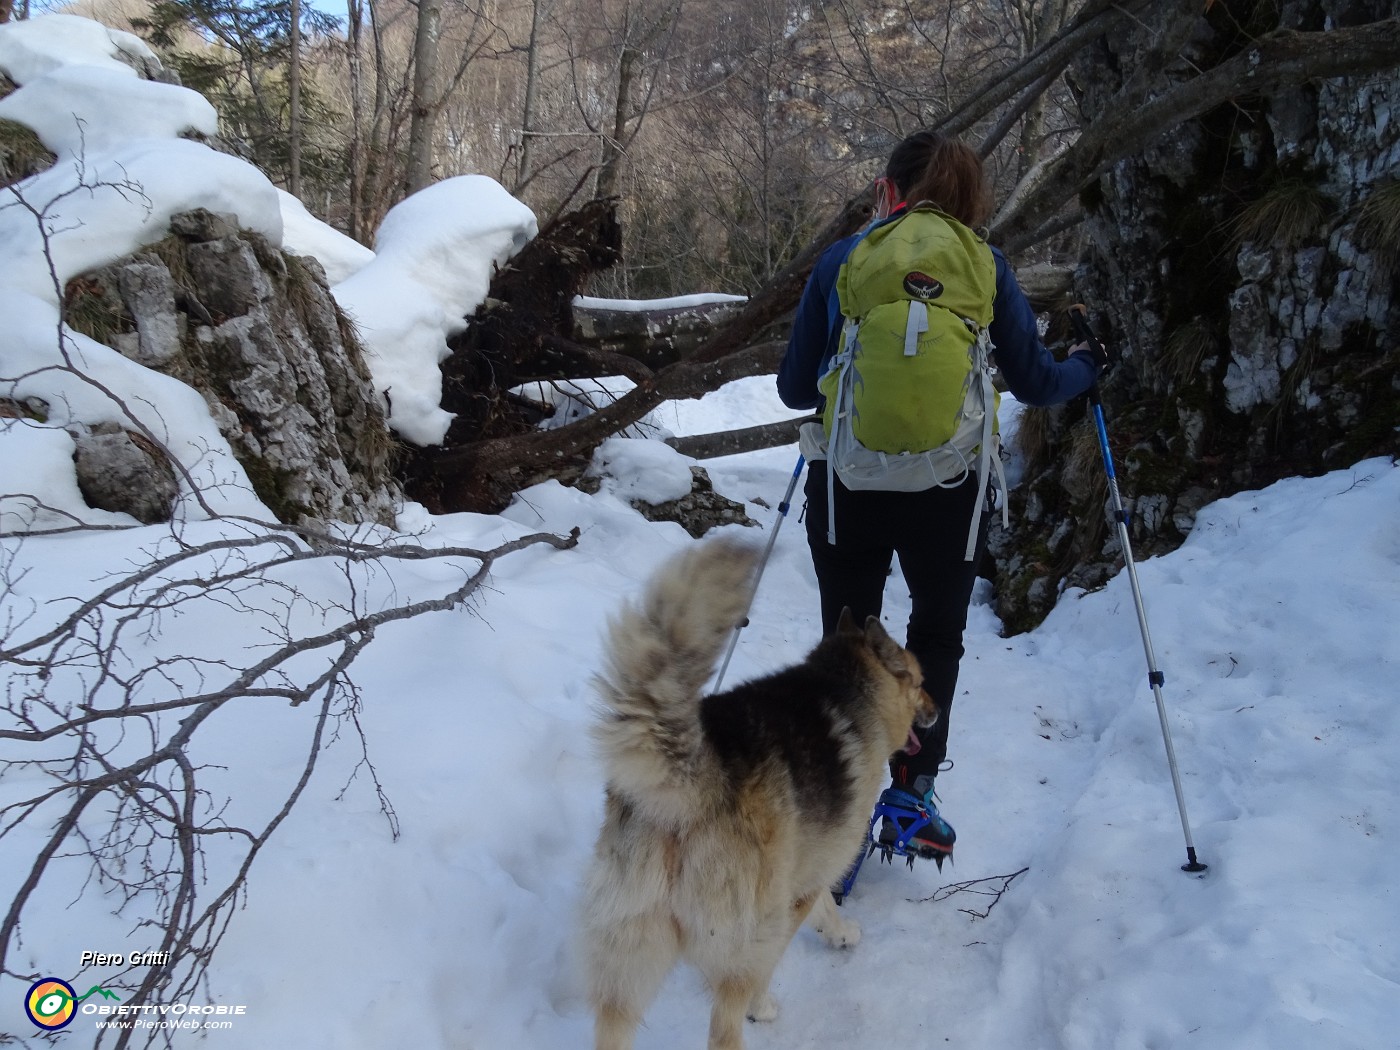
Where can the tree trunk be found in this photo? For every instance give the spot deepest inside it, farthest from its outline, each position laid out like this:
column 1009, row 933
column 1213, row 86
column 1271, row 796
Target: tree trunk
column 381, row 181
column 613, row 143
column 733, row 442
column 354, row 59
column 523, row 171
column 1039, row 28
column 645, row 31
column 654, row 337
column 294, row 100
column 425, row 103
column 521, row 333
column 1237, row 268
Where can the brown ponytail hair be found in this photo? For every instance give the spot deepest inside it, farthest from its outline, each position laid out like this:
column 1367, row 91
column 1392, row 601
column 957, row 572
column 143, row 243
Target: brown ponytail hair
column 928, row 166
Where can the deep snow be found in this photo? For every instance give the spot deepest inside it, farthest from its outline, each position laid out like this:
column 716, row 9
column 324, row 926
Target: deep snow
column 1275, row 625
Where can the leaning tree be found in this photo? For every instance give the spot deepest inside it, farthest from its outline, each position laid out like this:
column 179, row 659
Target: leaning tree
column 1235, row 173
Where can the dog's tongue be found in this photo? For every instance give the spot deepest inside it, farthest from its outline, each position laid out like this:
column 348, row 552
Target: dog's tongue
column 913, row 747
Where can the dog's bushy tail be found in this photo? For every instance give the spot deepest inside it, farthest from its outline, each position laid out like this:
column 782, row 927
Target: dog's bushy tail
column 661, row 651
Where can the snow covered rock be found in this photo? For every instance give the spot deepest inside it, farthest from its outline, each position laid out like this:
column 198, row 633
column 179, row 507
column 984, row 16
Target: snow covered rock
column 256, row 332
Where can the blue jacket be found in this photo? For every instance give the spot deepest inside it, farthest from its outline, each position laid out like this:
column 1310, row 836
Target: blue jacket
column 1031, row 372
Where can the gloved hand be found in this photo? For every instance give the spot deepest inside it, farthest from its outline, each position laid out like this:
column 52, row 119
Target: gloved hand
column 1095, row 349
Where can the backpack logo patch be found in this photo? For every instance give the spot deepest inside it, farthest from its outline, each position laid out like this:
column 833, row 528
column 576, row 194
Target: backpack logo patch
column 922, row 287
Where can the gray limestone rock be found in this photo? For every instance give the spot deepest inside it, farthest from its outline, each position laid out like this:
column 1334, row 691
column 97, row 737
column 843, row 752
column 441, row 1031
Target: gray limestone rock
column 1232, row 267
column 259, row 335
column 121, row 471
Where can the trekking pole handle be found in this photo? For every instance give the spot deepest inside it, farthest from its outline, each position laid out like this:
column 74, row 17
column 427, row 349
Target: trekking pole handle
column 1079, row 321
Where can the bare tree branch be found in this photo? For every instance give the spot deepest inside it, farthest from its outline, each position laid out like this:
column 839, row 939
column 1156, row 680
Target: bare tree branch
column 106, row 708
column 993, row 886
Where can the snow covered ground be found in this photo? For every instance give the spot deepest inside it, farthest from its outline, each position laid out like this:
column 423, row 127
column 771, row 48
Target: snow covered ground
column 1275, row 625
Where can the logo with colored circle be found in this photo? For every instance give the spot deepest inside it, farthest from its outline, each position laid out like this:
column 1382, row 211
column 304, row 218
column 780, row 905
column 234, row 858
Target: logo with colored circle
column 51, row 1003
column 922, row 287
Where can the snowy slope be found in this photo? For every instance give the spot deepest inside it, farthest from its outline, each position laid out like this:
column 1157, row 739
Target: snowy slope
column 1275, row 625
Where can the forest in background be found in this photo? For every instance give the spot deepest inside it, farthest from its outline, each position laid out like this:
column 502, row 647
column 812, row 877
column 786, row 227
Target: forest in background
column 729, row 130
column 1218, row 179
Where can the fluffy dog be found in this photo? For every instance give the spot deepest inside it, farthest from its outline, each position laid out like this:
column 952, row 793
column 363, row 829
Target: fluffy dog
column 729, row 817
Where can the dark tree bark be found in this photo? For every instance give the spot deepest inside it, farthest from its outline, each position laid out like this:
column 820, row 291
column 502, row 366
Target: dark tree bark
column 519, row 334
column 426, row 41
column 656, row 336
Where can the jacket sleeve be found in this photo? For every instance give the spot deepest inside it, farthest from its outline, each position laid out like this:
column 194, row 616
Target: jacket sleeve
column 1030, row 370
column 815, row 332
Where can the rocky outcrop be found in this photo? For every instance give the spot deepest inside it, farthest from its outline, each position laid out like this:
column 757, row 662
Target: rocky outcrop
column 21, row 152
column 256, row 331
column 1243, row 270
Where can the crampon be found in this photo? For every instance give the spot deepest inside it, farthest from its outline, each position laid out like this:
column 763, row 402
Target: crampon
column 902, row 825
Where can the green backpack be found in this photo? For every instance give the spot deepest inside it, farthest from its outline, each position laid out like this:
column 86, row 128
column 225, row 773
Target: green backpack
column 909, row 396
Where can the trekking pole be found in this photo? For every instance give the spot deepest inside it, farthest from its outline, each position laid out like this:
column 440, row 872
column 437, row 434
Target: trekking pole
column 783, row 508
column 1079, row 318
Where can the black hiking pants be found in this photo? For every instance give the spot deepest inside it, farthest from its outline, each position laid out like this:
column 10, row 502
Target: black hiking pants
column 928, row 531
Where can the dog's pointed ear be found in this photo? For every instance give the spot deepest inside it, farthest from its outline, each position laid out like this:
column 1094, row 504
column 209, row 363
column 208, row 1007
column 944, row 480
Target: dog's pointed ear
column 846, row 624
column 876, row 634
column 890, row 652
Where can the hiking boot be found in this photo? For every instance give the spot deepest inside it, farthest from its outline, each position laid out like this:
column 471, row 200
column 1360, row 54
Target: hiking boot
column 911, row 824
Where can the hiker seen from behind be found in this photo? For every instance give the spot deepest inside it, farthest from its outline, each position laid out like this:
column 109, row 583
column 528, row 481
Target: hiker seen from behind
column 894, row 340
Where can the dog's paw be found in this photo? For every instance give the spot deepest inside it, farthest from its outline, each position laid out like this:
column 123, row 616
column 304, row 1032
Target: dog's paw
column 839, row 932
column 763, row 1008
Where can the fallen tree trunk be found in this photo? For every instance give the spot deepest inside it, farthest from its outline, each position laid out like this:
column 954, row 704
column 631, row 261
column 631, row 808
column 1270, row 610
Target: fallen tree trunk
column 733, row 442
column 1048, row 287
column 487, row 473
column 522, row 332
column 655, row 336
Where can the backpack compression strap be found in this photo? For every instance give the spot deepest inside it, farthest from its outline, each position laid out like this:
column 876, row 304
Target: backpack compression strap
column 989, row 457
column 840, row 409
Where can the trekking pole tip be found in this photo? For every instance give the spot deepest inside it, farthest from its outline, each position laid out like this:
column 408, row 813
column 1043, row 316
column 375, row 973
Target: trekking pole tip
column 1193, row 865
